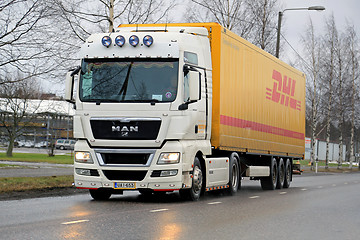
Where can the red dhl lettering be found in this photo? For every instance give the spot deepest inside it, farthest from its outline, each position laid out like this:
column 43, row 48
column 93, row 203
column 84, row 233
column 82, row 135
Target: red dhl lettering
column 283, row 91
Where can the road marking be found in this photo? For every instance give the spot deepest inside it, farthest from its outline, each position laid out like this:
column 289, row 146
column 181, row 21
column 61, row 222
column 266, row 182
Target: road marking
column 334, row 185
column 320, row 186
column 304, row 189
column 213, row 203
column 74, row 222
column 253, row 197
column 346, row 183
column 159, row 210
column 282, row 193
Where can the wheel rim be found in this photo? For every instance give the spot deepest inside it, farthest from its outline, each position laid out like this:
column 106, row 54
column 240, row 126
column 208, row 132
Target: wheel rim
column 274, row 177
column 197, row 179
column 288, row 173
column 281, row 174
column 235, row 171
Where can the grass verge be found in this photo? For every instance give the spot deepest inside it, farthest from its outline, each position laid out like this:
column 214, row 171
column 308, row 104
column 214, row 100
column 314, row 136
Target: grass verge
column 333, row 167
column 38, row 157
column 33, row 183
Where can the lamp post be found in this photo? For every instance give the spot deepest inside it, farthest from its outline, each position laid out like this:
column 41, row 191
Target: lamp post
column 317, row 8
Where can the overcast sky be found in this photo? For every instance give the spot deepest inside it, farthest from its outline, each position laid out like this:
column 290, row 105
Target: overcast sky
column 296, row 21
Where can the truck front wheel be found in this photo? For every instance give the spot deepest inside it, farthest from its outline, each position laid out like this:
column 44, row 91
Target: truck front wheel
column 100, row 194
column 234, row 174
column 194, row 192
column 269, row 183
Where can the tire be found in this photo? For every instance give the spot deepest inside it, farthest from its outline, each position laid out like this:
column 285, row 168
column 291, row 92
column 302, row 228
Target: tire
column 269, row 183
column 281, row 176
column 234, row 174
column 100, row 194
column 288, row 174
column 194, row 192
column 62, row 147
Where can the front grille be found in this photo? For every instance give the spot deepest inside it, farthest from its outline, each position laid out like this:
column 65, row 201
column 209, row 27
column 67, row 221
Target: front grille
column 125, row 158
column 125, row 175
column 129, row 130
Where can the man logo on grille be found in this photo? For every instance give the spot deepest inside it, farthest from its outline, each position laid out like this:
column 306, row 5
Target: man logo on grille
column 124, row 130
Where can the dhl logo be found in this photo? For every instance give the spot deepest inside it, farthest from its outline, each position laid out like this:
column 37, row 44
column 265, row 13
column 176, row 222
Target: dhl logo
column 283, row 91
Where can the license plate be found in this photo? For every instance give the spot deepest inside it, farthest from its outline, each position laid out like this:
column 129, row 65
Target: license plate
column 124, row 185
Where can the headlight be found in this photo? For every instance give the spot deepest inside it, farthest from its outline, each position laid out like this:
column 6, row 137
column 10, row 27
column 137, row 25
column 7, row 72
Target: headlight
column 106, row 41
column 169, row 158
column 148, row 40
column 134, row 40
column 83, row 157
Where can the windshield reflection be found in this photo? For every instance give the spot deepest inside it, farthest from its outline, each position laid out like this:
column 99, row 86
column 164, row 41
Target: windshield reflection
column 103, row 80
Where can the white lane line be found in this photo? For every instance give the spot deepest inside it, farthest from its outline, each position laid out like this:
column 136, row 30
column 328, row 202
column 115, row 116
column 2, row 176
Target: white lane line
column 254, row 197
column 159, row 210
column 304, row 189
column 74, row 222
column 282, row 193
column 334, row 185
column 213, row 203
column 346, row 183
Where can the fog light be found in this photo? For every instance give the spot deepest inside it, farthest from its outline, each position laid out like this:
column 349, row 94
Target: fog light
column 168, row 173
column 81, row 171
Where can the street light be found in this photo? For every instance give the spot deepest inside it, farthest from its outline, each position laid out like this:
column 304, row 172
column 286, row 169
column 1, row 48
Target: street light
column 317, row 8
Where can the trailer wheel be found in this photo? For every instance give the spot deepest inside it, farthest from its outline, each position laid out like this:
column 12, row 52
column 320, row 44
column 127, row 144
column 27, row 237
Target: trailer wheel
column 194, row 192
column 288, row 174
column 100, row 194
column 281, row 177
column 234, row 174
column 269, row 183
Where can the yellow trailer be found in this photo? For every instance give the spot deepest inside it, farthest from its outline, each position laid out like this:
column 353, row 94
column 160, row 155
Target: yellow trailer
column 258, row 101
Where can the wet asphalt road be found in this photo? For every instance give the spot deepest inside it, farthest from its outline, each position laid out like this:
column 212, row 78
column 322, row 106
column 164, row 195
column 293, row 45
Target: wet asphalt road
column 314, row 207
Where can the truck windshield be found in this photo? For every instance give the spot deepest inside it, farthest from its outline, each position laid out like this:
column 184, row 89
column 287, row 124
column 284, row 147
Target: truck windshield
column 105, row 80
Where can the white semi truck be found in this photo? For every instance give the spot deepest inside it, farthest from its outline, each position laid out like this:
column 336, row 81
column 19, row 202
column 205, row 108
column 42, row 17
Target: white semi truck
column 183, row 107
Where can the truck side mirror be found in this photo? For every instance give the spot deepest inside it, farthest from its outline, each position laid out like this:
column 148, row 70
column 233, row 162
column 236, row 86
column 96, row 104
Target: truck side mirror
column 69, row 85
column 194, row 85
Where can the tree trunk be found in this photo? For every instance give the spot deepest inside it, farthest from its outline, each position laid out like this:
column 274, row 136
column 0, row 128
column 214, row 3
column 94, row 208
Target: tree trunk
column 111, row 16
column 9, row 151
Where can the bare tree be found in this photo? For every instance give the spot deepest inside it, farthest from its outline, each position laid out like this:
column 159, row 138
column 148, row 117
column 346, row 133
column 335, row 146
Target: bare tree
column 264, row 13
column 23, row 46
column 312, row 48
column 228, row 13
column 340, row 53
column 252, row 20
column 16, row 112
column 329, row 64
column 84, row 17
column 352, row 52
